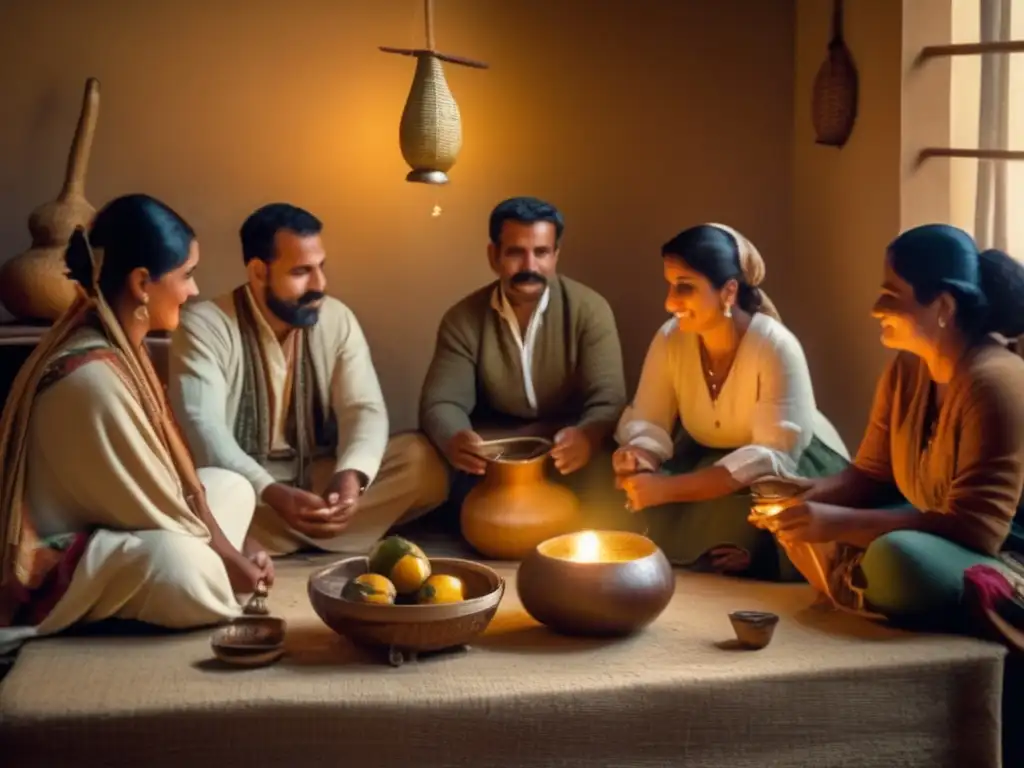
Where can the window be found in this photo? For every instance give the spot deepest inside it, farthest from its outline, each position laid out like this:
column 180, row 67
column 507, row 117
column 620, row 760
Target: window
column 986, row 121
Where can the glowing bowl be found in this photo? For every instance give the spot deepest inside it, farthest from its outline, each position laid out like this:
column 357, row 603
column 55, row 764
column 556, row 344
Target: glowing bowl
column 596, row 583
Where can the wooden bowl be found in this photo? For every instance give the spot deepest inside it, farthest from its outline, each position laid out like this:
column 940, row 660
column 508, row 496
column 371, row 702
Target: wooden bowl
column 622, row 592
column 754, row 629
column 406, row 630
column 250, row 641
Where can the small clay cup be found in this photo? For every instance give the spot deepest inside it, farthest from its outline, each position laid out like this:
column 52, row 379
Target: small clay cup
column 754, row 629
column 250, row 641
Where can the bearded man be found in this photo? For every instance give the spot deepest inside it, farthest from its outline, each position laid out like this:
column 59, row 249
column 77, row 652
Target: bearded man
column 275, row 381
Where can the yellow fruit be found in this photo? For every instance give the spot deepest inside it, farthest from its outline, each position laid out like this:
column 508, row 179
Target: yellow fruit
column 402, row 562
column 441, row 588
column 369, row 588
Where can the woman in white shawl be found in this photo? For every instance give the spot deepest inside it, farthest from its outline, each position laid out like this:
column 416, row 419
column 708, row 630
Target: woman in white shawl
column 735, row 379
column 102, row 512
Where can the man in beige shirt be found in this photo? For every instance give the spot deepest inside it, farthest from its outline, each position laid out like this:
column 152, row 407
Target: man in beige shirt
column 275, row 381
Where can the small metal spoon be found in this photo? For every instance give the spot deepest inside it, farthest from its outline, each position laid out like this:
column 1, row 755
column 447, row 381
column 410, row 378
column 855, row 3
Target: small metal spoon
column 257, row 605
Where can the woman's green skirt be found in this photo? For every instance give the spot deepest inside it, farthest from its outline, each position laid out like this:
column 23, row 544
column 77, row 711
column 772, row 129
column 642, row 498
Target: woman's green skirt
column 688, row 531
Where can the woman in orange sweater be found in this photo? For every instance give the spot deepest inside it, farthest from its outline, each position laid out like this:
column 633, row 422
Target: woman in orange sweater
column 946, row 431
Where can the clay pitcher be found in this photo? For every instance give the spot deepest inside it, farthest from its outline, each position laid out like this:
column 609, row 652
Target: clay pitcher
column 515, row 507
column 34, row 285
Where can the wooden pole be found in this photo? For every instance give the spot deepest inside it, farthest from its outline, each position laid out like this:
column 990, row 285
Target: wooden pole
column 428, row 23
column 428, row 20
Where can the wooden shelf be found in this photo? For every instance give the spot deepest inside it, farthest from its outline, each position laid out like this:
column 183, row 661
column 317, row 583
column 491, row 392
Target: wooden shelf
column 970, row 49
column 976, row 154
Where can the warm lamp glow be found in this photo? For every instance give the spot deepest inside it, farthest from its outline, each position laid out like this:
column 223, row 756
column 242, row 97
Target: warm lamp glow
column 768, row 510
column 588, row 548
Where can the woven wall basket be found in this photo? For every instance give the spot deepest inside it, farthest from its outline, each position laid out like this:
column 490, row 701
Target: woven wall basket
column 834, row 101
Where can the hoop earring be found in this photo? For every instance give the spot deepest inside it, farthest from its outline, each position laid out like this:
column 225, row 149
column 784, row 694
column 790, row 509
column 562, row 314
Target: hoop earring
column 142, row 313
column 728, row 310
column 942, row 322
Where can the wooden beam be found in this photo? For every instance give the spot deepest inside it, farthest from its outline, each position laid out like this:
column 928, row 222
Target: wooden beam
column 451, row 58
column 970, row 49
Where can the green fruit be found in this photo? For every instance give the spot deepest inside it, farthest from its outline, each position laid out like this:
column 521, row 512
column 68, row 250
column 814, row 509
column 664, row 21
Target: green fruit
column 401, row 561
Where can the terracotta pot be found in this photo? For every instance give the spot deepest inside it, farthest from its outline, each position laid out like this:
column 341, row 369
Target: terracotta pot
column 515, row 507
column 34, row 285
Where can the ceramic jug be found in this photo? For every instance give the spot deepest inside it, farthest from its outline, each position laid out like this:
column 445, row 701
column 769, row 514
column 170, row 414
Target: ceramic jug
column 516, row 507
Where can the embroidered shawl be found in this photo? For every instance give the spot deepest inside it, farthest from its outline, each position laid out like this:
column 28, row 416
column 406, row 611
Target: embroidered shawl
column 310, row 427
column 25, row 560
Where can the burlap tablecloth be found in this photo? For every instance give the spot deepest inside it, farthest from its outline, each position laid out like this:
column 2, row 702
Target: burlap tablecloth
column 830, row 690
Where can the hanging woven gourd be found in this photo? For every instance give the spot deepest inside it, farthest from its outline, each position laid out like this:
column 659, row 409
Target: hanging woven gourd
column 430, row 133
column 834, row 104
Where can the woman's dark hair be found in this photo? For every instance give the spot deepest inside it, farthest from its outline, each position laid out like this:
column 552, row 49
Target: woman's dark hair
column 988, row 286
column 715, row 254
column 133, row 231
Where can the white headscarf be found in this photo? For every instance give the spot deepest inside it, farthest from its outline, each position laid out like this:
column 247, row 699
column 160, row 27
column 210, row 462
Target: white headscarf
column 752, row 267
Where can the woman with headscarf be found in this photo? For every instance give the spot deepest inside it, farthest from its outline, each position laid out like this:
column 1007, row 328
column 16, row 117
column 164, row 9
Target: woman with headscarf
column 736, row 380
column 946, row 431
column 102, row 512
